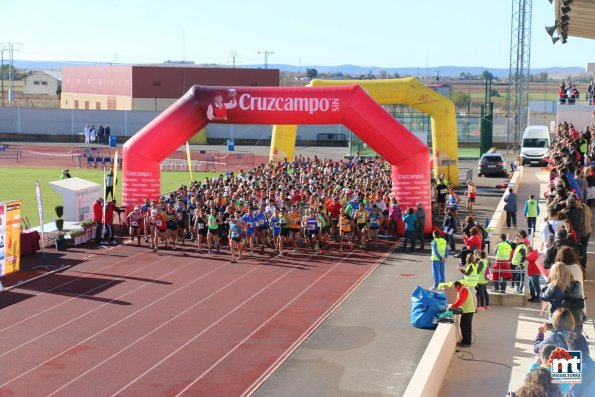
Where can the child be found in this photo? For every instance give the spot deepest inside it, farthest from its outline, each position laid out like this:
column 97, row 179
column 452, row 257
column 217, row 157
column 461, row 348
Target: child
column 533, row 273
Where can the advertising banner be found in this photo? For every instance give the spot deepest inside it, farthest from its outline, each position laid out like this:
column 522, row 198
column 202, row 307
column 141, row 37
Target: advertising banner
column 10, row 237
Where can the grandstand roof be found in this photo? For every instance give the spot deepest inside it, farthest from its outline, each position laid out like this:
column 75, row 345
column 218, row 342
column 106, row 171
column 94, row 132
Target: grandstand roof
column 581, row 22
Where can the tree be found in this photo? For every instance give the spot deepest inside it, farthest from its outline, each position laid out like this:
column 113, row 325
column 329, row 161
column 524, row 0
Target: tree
column 396, row 75
column 460, row 98
column 487, row 75
column 312, row 73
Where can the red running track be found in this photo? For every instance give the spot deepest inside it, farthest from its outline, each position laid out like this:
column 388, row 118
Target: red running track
column 133, row 323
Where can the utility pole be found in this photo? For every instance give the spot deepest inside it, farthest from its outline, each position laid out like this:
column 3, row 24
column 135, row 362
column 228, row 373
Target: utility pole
column 234, row 55
column 2, row 49
column 266, row 57
column 11, row 50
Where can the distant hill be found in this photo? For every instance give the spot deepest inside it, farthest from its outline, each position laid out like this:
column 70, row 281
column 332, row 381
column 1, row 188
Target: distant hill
column 453, row 71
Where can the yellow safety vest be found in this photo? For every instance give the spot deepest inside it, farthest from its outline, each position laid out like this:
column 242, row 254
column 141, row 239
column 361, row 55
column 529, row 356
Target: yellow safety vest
column 471, row 279
column 503, row 251
column 531, row 208
column 440, row 247
column 468, row 306
column 517, row 256
column 481, row 276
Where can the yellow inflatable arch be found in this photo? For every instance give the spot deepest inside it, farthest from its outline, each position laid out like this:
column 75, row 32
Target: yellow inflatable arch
column 408, row 91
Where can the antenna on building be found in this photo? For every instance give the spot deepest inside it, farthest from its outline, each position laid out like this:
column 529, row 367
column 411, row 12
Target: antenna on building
column 233, row 55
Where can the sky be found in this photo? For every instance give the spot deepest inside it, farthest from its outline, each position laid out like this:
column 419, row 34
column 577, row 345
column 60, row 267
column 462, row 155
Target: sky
column 397, row 33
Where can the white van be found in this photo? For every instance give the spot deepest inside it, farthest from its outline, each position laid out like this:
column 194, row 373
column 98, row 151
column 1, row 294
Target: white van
column 535, row 145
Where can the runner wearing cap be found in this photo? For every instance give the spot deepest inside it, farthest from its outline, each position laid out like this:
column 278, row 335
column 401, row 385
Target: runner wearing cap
column 134, row 220
column 250, row 221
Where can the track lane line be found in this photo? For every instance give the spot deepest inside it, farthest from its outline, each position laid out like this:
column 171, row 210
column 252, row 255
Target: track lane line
column 210, row 326
column 67, row 283
column 120, row 321
column 273, row 367
column 155, row 329
column 72, row 320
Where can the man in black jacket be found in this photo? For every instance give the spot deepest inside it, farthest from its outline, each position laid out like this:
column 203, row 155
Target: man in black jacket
column 561, row 239
column 449, row 226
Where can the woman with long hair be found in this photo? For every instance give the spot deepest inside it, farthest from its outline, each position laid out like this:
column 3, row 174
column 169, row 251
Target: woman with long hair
column 560, row 289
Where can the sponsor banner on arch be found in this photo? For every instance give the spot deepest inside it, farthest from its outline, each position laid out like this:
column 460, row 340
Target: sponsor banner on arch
column 239, row 105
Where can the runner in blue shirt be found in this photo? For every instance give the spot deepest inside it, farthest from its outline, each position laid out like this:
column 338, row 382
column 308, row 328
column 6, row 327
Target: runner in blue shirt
column 250, row 222
column 312, row 226
column 235, row 233
column 261, row 227
column 275, row 224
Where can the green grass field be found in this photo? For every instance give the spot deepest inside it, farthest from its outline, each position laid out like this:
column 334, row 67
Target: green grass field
column 19, row 184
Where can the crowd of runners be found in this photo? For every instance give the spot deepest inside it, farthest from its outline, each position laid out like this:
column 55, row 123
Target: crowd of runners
column 277, row 208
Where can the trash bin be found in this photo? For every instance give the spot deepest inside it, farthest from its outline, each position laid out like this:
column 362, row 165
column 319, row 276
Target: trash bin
column 230, row 145
column 112, row 141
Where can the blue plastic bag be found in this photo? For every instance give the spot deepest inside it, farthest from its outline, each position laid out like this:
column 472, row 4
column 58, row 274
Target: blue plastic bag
column 425, row 306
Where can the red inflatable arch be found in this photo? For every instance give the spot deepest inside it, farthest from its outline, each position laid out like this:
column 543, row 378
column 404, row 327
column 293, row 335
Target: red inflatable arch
column 347, row 105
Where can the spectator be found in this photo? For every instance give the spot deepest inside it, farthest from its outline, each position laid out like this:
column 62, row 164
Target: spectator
column 420, row 223
column 511, row 208
column 533, row 273
column 98, row 219
column 87, row 133
column 562, row 332
column 410, row 221
column 538, row 383
column 442, row 191
column 561, row 287
column 100, row 134
column 92, row 134
column 107, row 132
column 449, row 226
column 561, row 239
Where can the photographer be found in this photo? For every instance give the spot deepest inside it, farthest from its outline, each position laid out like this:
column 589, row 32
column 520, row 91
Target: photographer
column 108, row 234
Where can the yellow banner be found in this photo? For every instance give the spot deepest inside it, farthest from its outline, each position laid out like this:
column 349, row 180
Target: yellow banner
column 10, row 237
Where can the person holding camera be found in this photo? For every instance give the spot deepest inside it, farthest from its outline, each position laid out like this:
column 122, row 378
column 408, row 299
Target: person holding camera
column 108, row 234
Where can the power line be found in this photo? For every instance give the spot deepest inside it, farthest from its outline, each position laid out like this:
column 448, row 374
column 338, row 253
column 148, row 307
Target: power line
column 266, row 57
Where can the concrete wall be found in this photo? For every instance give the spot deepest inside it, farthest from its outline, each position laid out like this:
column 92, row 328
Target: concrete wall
column 95, row 102
column 578, row 114
column 23, row 121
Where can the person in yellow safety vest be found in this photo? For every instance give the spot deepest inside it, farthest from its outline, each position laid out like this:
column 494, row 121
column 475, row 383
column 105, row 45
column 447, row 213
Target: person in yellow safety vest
column 470, row 277
column 464, row 302
column 439, row 255
column 501, row 271
column 519, row 260
column 531, row 213
column 482, row 281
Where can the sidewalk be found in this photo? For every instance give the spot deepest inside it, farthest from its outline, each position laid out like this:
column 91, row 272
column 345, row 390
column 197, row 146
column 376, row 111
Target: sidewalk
column 503, row 350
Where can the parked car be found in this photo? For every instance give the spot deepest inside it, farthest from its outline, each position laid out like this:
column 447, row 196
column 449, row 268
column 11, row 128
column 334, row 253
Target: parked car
column 491, row 164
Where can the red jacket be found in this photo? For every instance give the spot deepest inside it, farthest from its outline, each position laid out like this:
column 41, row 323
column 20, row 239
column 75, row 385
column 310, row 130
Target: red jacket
column 473, row 242
column 109, row 213
column 532, row 269
column 98, row 212
column 462, row 294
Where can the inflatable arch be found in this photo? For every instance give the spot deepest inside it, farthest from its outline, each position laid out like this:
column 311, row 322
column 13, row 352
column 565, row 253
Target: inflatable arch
column 408, row 91
column 347, row 105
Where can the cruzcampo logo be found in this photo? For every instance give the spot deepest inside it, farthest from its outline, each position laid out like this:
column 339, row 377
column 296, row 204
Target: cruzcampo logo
column 566, row 366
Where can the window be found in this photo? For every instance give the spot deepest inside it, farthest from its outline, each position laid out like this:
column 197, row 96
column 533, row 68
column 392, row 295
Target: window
column 76, row 104
column 44, row 83
column 36, row 82
column 97, row 105
column 535, row 142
